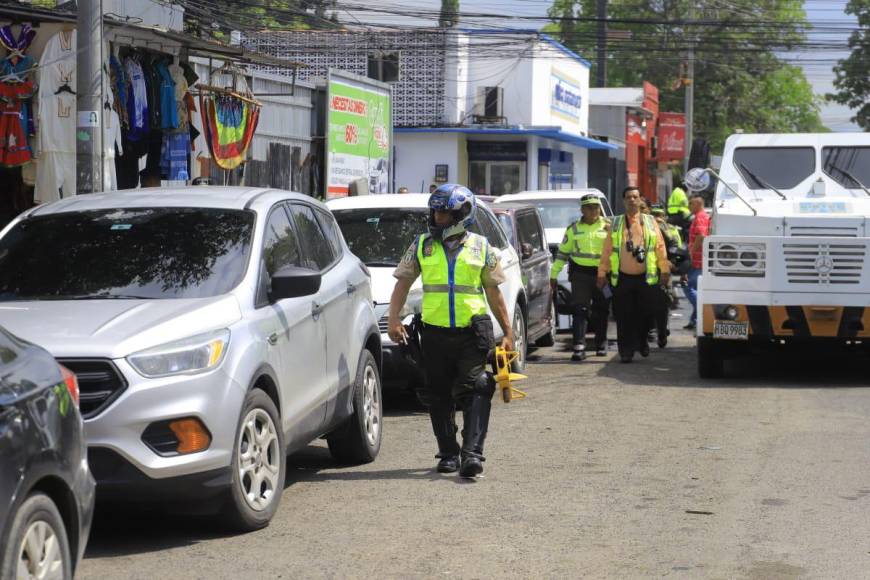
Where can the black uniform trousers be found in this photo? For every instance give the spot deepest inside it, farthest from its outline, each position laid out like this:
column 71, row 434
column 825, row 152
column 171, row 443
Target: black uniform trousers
column 456, row 377
column 633, row 304
column 589, row 305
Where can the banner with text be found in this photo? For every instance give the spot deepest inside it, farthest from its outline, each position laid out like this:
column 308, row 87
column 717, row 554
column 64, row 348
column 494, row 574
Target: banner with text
column 359, row 136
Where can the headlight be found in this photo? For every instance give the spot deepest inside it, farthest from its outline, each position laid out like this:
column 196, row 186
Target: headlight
column 727, row 256
column 737, row 259
column 196, row 354
column 749, row 259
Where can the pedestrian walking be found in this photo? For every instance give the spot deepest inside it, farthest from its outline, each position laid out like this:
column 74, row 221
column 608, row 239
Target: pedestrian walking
column 581, row 248
column 458, row 268
column 699, row 230
column 635, row 258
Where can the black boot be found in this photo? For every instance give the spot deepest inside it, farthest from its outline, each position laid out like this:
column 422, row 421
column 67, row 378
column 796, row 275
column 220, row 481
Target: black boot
column 442, row 413
column 471, row 467
column 579, row 353
column 448, row 464
column 476, row 407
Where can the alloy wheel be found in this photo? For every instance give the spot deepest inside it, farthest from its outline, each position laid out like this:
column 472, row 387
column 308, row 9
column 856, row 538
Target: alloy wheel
column 40, row 556
column 520, row 337
column 371, row 405
column 259, row 461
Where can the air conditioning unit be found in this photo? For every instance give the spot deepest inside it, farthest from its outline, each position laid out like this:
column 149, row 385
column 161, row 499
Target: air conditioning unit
column 489, row 105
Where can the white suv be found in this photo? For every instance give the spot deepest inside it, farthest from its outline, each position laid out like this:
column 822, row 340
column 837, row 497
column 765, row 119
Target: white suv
column 380, row 228
column 213, row 331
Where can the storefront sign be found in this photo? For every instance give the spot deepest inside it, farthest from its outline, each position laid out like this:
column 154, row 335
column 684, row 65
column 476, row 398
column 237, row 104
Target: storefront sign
column 672, row 137
column 565, row 96
column 359, row 134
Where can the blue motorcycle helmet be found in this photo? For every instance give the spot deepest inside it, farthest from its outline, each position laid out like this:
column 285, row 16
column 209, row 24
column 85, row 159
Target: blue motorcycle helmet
column 460, row 202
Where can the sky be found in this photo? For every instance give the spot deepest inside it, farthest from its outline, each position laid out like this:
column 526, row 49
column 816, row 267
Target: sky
column 821, row 12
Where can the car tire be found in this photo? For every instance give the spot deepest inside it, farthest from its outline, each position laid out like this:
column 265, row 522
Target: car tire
column 259, row 465
column 549, row 339
column 358, row 440
column 520, row 340
column 711, row 363
column 37, row 532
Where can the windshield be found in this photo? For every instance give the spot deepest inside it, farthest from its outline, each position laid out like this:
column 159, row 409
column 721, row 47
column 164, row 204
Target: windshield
column 380, row 236
column 847, row 164
column 557, row 213
column 150, row 253
column 778, row 167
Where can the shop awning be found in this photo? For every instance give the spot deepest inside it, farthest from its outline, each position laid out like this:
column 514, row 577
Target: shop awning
column 554, row 133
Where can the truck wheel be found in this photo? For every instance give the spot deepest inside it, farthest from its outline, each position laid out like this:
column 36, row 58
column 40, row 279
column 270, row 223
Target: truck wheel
column 359, row 439
column 711, row 364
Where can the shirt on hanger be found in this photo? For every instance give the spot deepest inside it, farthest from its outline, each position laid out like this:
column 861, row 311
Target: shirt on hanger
column 57, row 109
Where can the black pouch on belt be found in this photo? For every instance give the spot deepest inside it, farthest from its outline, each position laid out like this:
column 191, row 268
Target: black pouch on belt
column 483, row 331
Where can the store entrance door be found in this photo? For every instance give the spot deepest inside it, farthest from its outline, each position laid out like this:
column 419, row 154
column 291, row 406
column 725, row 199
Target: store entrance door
column 497, row 177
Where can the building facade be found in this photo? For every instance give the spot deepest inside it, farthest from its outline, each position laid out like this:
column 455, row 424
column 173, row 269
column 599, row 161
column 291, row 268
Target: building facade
column 500, row 111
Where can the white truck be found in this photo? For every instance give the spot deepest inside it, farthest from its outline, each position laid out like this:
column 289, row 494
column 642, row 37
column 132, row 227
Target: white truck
column 786, row 262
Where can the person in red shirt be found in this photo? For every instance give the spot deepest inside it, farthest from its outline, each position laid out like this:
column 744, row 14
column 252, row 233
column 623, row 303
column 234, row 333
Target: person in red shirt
column 699, row 230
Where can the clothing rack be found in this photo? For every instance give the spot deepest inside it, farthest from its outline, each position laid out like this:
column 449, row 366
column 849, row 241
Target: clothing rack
column 230, row 92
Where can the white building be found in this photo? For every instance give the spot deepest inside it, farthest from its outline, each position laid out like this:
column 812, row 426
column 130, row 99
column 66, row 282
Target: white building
column 500, row 111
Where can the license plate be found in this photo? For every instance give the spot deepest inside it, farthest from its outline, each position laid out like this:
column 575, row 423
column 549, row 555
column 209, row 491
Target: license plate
column 731, row 330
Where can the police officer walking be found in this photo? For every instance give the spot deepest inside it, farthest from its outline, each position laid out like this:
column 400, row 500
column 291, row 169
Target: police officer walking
column 458, row 268
column 581, row 248
column 635, row 257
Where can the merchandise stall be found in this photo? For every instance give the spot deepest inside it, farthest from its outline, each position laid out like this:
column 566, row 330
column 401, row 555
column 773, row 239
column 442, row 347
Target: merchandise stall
column 156, row 107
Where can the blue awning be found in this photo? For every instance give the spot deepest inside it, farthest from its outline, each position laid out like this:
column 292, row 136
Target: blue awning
column 554, row 133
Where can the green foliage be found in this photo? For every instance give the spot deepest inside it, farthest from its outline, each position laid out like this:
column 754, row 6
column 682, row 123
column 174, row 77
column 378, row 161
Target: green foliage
column 449, row 16
column 740, row 83
column 853, row 73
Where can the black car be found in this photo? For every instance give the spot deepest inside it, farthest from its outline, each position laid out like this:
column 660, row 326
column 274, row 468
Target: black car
column 46, row 489
column 525, row 231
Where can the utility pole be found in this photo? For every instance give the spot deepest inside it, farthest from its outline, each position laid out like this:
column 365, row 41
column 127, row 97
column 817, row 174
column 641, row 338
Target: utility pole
column 89, row 110
column 601, row 49
column 690, row 93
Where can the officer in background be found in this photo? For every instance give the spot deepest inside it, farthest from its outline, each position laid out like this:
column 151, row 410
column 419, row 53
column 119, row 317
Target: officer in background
column 458, row 268
column 665, row 295
column 635, row 257
column 678, row 209
column 581, row 248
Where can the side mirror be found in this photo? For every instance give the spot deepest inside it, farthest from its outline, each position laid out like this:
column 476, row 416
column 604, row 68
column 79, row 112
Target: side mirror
column 526, row 250
column 294, row 282
column 697, row 180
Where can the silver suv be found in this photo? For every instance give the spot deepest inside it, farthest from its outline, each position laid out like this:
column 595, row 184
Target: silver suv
column 213, row 331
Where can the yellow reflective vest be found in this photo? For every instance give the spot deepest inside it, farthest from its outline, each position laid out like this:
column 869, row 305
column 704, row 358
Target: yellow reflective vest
column 649, row 235
column 678, row 203
column 582, row 244
column 452, row 289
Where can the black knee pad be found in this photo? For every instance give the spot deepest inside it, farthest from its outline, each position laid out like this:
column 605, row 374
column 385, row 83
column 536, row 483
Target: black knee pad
column 485, row 384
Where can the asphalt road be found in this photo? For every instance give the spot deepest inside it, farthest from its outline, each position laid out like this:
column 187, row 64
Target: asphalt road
column 605, row 470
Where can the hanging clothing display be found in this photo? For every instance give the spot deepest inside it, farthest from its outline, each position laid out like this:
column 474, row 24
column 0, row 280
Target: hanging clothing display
column 229, row 124
column 14, row 147
column 112, row 142
column 55, row 177
column 137, row 100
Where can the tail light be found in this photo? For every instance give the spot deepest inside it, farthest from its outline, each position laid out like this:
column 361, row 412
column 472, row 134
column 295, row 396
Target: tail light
column 72, row 384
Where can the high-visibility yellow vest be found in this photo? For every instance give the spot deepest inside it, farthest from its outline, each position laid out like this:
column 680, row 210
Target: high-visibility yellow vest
column 650, row 239
column 582, row 244
column 678, row 203
column 452, row 289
